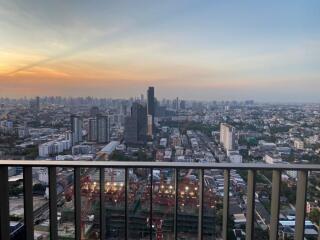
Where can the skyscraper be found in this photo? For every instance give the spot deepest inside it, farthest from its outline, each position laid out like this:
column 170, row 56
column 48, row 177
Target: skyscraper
column 227, row 136
column 35, row 105
column 136, row 125
column 151, row 104
column 92, row 133
column 99, row 128
column 38, row 104
column 103, row 128
column 182, row 104
column 76, row 129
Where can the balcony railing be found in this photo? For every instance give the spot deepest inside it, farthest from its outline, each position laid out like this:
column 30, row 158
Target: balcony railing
column 302, row 181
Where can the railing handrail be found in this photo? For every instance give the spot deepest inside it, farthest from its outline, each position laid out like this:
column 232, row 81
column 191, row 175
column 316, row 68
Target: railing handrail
column 277, row 169
column 139, row 164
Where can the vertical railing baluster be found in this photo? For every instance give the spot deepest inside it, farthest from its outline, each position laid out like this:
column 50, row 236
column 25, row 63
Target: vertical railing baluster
column 77, row 203
column 301, row 204
column 126, row 208
column 250, row 205
column 225, row 204
column 4, row 204
column 53, row 202
column 275, row 204
column 28, row 203
column 201, row 206
column 102, row 205
column 151, row 200
column 176, row 203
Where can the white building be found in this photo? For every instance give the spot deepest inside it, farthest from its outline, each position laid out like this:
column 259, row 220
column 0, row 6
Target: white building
column 234, row 157
column 43, row 175
column 167, row 155
column 271, row 159
column 179, row 150
column 76, row 129
column 194, row 143
column 298, row 144
column 82, row 149
column 227, row 136
column 292, row 173
column 267, row 146
column 53, row 147
column 163, row 142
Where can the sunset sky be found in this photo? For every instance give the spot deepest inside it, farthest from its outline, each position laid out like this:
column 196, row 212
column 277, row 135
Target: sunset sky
column 205, row 50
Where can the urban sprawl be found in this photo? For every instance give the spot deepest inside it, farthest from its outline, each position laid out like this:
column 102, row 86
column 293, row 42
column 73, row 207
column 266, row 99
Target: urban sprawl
column 149, row 129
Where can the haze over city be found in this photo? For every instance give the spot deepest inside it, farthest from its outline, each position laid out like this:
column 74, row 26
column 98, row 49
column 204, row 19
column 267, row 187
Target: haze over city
column 169, row 119
column 208, row 50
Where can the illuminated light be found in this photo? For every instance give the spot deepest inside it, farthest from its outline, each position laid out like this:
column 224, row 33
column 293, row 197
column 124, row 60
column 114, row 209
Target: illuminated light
column 115, row 184
column 187, row 188
column 182, row 193
column 171, row 187
column 108, row 184
column 195, row 188
column 191, row 193
column 162, row 186
column 121, row 184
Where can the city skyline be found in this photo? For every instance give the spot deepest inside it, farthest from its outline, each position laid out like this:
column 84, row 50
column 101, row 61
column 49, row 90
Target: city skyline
column 208, row 51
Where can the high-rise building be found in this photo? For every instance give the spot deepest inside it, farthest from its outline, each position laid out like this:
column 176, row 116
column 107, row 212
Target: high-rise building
column 35, row 105
column 136, row 125
column 151, row 104
column 99, row 128
column 182, row 104
column 175, row 104
column 227, row 136
column 149, row 131
column 92, row 133
column 103, row 129
column 76, row 129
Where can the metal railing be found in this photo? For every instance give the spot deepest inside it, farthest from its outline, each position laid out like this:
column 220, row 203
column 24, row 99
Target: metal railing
column 177, row 166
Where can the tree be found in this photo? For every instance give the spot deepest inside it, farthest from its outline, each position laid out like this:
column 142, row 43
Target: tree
column 314, row 216
column 39, row 188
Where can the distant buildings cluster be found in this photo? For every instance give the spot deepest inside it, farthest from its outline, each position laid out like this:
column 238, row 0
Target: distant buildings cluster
column 56, row 146
column 98, row 130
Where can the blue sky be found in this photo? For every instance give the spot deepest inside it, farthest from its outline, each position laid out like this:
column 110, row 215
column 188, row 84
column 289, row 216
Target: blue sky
column 210, row 50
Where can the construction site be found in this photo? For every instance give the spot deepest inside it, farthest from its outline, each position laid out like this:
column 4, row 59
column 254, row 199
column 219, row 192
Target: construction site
column 139, row 204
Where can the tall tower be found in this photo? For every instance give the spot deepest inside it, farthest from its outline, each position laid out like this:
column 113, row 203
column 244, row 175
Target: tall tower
column 136, row 125
column 227, row 136
column 103, row 129
column 38, row 104
column 151, row 105
column 76, row 129
column 92, row 134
